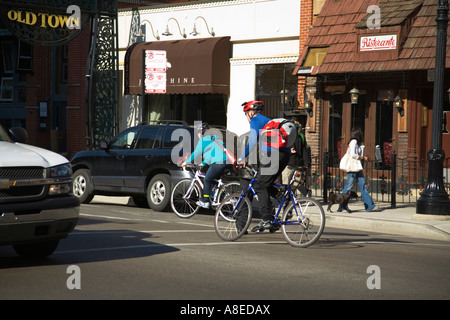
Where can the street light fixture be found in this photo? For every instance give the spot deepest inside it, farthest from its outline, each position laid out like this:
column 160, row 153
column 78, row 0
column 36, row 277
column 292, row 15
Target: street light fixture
column 167, row 32
column 398, row 105
column 194, row 31
column 308, row 107
column 354, row 94
column 142, row 34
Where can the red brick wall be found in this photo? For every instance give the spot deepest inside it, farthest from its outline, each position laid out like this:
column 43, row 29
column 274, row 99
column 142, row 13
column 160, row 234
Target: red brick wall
column 39, row 89
column 78, row 51
column 306, row 21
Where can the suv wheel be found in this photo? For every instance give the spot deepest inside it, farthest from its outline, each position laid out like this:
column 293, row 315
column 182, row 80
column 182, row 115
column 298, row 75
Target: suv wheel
column 158, row 192
column 82, row 186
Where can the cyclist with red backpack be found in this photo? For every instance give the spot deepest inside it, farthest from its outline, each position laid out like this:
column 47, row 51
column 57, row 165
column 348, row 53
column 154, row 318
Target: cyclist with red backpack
column 267, row 171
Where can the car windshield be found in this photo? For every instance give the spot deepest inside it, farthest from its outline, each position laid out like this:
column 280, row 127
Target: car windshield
column 3, row 135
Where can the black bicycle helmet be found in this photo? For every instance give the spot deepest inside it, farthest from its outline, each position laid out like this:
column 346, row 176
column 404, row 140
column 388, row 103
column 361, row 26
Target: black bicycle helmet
column 254, row 105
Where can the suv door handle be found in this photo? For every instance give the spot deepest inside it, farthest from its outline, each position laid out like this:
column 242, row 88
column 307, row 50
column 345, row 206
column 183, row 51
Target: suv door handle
column 119, row 157
column 148, row 157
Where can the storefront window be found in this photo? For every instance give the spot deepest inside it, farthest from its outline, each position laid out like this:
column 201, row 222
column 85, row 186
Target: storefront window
column 271, row 81
column 209, row 108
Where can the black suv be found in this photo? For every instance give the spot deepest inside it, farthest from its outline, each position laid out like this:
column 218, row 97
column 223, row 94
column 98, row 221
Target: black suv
column 137, row 162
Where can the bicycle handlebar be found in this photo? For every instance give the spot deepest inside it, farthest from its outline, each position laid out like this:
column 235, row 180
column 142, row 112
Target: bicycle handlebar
column 191, row 165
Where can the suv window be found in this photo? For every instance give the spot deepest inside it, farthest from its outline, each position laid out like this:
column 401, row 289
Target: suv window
column 125, row 140
column 167, row 139
column 148, row 139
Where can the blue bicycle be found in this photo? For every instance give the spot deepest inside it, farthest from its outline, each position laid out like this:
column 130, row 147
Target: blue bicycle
column 302, row 220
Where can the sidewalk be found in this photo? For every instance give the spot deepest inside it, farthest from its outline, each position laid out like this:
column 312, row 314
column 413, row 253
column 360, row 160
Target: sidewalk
column 402, row 220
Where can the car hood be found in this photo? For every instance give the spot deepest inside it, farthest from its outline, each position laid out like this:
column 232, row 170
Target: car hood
column 24, row 155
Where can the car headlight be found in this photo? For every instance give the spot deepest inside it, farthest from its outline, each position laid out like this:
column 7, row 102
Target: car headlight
column 61, row 171
column 64, row 170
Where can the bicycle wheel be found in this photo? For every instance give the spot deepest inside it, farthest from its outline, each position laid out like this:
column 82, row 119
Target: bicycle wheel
column 228, row 189
column 183, row 198
column 304, row 226
column 233, row 217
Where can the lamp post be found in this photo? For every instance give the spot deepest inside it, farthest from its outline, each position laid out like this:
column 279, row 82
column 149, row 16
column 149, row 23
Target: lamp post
column 434, row 199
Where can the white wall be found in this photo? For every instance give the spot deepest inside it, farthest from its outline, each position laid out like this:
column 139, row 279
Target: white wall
column 261, row 31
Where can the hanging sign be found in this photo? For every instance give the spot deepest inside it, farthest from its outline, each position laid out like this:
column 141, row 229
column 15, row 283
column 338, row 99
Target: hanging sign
column 45, row 23
column 155, row 71
column 374, row 43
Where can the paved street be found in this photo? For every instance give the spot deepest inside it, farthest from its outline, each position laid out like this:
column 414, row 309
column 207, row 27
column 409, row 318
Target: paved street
column 125, row 252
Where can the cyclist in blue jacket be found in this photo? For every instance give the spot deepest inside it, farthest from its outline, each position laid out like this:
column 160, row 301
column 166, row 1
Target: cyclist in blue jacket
column 265, row 177
column 213, row 156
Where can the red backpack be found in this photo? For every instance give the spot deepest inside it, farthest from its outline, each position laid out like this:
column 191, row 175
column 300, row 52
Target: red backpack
column 279, row 133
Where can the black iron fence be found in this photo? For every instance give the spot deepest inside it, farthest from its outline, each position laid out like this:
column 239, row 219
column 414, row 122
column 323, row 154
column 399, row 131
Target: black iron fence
column 397, row 181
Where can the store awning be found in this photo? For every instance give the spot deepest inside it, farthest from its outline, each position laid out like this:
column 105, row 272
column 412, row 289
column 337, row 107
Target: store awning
column 196, row 66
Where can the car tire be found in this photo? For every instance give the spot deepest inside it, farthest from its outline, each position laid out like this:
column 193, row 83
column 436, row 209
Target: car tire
column 158, row 192
column 82, row 185
column 36, row 250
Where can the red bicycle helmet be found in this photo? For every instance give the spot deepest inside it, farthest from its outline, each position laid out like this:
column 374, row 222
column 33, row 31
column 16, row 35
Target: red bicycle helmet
column 253, row 105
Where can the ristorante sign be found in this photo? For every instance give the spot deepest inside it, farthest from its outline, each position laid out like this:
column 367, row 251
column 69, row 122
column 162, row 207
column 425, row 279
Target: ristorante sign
column 375, row 43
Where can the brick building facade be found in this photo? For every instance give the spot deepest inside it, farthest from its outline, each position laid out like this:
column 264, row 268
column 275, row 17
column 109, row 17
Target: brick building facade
column 335, row 61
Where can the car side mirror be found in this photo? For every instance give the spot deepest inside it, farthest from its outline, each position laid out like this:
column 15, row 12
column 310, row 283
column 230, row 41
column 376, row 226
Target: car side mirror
column 19, row 134
column 104, row 145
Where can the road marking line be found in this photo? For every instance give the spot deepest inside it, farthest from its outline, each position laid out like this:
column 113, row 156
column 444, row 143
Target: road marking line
column 169, row 245
column 145, row 220
column 108, row 217
column 88, row 232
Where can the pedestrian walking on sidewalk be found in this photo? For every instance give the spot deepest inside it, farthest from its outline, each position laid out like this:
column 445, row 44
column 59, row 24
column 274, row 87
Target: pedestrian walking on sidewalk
column 357, row 152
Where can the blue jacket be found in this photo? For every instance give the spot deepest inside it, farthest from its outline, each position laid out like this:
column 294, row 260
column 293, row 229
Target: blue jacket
column 211, row 151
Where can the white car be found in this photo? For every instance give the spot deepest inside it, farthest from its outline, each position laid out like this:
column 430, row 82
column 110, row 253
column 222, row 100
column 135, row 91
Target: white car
column 37, row 207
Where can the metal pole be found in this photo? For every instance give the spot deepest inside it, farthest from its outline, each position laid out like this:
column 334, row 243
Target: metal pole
column 434, row 199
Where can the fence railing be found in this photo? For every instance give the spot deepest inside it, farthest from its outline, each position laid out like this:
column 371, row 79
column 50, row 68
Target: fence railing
column 401, row 181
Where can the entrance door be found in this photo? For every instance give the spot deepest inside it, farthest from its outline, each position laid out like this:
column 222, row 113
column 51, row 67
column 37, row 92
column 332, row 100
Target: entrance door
column 383, row 130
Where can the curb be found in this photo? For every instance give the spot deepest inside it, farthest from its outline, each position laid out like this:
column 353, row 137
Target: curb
column 410, row 229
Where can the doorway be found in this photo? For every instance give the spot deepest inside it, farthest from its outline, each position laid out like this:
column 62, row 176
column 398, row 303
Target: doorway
column 383, row 131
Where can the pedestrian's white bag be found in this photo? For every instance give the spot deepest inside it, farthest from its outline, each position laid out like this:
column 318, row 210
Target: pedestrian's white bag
column 349, row 164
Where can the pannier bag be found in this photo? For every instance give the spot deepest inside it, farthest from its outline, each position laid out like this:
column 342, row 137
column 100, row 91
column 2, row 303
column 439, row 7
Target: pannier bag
column 279, row 133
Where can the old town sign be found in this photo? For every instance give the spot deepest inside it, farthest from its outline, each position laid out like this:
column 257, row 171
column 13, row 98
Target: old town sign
column 45, row 23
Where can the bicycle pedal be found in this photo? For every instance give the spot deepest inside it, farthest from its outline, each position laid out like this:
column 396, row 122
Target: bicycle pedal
column 257, row 229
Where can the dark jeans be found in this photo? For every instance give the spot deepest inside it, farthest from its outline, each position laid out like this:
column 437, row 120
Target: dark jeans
column 264, row 184
column 214, row 172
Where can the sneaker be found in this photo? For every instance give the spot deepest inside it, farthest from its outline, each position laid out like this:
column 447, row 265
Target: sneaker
column 202, row 204
column 263, row 225
column 371, row 208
